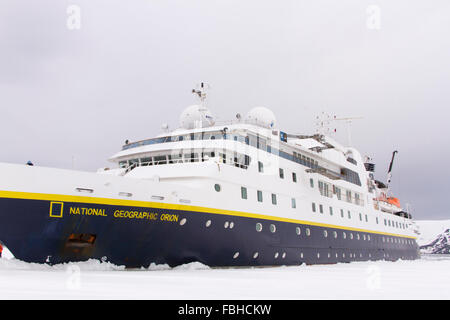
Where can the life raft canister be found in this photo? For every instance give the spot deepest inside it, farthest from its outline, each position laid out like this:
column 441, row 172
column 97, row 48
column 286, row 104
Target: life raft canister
column 1, row 250
column 394, row 201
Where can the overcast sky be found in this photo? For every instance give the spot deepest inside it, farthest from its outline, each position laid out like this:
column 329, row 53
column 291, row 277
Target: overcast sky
column 78, row 93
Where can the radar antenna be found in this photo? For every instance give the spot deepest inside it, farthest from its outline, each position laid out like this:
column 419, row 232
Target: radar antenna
column 323, row 124
column 200, row 91
column 348, row 120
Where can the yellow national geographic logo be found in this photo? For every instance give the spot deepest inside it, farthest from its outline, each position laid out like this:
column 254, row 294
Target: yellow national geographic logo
column 56, row 209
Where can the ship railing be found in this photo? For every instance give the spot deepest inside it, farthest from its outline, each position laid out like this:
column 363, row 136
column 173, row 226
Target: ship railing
column 186, row 160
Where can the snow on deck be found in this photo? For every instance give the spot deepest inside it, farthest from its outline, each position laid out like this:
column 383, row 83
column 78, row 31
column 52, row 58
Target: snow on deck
column 421, row 279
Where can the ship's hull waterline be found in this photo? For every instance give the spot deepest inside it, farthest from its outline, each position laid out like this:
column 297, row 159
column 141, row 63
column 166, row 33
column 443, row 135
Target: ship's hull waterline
column 56, row 229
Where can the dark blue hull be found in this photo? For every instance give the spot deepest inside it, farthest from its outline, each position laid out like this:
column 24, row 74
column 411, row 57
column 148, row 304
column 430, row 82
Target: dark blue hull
column 38, row 231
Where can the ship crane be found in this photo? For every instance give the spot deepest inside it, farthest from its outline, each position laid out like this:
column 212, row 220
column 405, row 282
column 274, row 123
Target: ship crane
column 389, row 175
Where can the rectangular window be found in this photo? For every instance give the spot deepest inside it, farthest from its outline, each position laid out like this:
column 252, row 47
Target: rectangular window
column 338, row 193
column 260, row 167
column 175, row 158
column 311, row 182
column 281, row 173
column 342, row 213
column 367, row 220
column 294, row 177
column 357, row 198
column 321, row 188
column 348, row 194
column 122, row 164
column 331, row 211
column 360, row 217
column 146, row 161
column 320, row 208
column 349, row 215
column 313, row 207
column 294, row 204
column 274, row 198
column 326, row 192
column 243, row 193
column 160, row 159
column 260, row 197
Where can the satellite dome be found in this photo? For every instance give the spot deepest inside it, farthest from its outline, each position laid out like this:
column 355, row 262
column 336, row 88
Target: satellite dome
column 262, row 117
column 196, row 116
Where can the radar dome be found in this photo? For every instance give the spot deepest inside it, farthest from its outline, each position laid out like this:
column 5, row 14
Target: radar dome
column 196, row 116
column 262, row 117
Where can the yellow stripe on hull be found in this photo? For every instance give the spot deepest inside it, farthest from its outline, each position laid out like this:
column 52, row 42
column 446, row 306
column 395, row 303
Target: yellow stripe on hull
column 170, row 206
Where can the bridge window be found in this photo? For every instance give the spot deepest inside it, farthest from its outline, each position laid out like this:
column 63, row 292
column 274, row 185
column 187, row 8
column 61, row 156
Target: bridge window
column 160, row 159
column 146, row 161
column 122, row 164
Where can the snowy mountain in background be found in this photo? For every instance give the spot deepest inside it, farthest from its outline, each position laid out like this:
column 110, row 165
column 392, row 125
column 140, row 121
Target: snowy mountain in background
column 434, row 236
column 441, row 245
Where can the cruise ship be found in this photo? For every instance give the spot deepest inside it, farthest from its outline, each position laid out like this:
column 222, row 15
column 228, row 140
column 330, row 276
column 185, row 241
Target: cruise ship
column 241, row 193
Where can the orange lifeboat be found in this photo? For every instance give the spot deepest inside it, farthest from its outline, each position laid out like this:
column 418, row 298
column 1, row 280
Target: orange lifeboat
column 394, row 201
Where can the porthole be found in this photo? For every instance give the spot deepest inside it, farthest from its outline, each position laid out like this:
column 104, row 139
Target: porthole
column 335, row 234
column 217, row 187
column 226, row 224
column 351, row 236
column 236, row 255
column 298, row 231
column 283, row 255
column 364, row 237
column 276, row 255
column 273, row 228
column 231, row 225
column 208, row 223
column 308, row 232
column 343, row 255
column 255, row 255
column 318, row 255
column 344, row 235
column 183, row 221
column 357, row 236
column 325, row 233
column 301, row 255
column 329, row 256
column 259, row 227
column 368, row 237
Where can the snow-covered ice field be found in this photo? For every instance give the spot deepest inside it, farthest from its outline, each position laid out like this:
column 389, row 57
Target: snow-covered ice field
column 427, row 278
